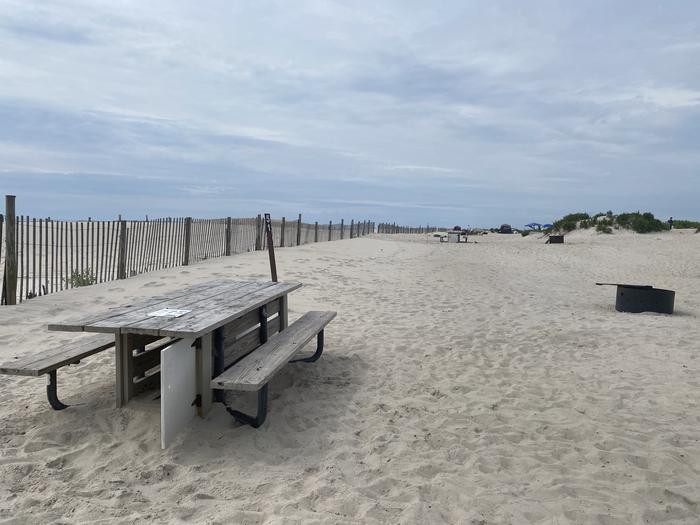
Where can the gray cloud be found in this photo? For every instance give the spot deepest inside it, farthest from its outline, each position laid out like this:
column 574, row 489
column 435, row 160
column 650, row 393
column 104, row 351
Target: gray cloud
column 475, row 113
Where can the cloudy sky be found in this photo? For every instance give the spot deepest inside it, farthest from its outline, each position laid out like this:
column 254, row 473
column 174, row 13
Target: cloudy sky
column 441, row 112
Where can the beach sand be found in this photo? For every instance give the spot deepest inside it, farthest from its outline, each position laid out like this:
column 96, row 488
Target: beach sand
column 473, row 384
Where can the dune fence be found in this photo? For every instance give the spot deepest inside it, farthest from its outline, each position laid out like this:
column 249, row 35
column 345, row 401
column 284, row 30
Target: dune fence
column 384, row 227
column 40, row 256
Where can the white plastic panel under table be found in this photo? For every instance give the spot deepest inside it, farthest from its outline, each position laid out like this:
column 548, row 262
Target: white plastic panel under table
column 178, row 389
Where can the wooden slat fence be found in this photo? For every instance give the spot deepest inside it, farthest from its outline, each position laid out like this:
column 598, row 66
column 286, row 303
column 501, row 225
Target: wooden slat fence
column 55, row 255
column 384, row 227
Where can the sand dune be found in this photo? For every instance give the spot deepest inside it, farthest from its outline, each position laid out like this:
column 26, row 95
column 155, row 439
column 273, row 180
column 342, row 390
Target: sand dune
column 482, row 383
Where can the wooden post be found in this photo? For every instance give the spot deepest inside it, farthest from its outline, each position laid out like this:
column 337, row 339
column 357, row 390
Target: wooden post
column 258, row 233
column 330, row 225
column 10, row 281
column 270, row 247
column 299, row 230
column 316, row 232
column 121, row 255
column 284, row 227
column 352, row 227
column 342, row 227
column 227, row 250
column 188, row 239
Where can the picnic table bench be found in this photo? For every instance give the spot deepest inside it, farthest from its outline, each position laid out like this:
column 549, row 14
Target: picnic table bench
column 254, row 371
column 194, row 342
column 53, row 358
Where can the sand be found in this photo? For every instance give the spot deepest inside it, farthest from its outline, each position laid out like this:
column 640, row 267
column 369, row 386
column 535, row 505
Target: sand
column 478, row 384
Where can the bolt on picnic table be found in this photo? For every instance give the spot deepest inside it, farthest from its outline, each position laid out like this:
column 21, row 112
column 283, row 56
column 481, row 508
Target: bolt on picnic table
column 224, row 321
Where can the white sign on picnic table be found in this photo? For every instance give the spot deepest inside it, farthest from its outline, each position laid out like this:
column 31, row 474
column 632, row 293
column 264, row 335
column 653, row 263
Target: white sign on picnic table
column 168, row 312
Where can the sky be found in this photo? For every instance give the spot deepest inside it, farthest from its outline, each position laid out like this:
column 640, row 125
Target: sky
column 469, row 113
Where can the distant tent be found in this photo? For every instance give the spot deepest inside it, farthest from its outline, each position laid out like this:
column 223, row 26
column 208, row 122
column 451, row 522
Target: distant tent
column 534, row 226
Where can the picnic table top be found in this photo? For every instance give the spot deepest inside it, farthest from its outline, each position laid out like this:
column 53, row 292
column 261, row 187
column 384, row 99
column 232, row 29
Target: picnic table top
column 202, row 308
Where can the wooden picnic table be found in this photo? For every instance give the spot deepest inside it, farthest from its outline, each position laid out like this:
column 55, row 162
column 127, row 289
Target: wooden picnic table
column 201, row 312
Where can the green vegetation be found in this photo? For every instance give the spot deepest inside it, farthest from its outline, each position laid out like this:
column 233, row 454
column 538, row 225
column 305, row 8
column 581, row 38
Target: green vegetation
column 605, row 222
column 570, row 222
column 604, row 226
column 686, row 224
column 640, row 222
column 525, row 233
column 81, row 278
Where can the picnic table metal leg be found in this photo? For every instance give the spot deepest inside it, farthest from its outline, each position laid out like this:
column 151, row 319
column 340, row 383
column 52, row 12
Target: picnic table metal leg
column 218, row 360
column 261, row 414
column 284, row 312
column 316, row 355
column 52, row 391
column 259, row 418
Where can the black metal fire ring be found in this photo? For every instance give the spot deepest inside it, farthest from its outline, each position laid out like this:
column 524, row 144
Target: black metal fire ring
column 635, row 298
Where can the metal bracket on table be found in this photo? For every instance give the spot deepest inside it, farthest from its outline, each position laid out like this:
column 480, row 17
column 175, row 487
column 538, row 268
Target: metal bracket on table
column 316, row 355
column 52, row 392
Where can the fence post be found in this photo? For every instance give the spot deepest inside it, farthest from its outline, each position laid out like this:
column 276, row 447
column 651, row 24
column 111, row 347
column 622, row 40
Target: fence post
column 228, row 236
column 352, row 225
column 342, row 228
column 316, row 232
column 284, row 227
column 299, row 230
column 121, row 254
column 10, row 280
column 188, row 240
column 330, row 225
column 258, row 233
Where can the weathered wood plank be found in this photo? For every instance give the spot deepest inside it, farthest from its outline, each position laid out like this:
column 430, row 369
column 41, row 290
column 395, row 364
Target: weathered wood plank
column 37, row 364
column 256, row 369
column 150, row 358
column 88, row 323
column 150, row 382
column 201, row 322
column 136, row 317
column 235, row 349
column 198, row 303
column 233, row 329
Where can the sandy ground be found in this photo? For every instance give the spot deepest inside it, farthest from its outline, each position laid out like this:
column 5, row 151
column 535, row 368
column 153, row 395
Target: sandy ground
column 478, row 384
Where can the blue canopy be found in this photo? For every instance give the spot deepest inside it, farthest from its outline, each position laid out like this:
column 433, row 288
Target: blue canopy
column 533, row 226
column 545, row 226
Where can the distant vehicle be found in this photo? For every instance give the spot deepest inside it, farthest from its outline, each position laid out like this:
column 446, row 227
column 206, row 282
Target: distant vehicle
column 505, row 228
